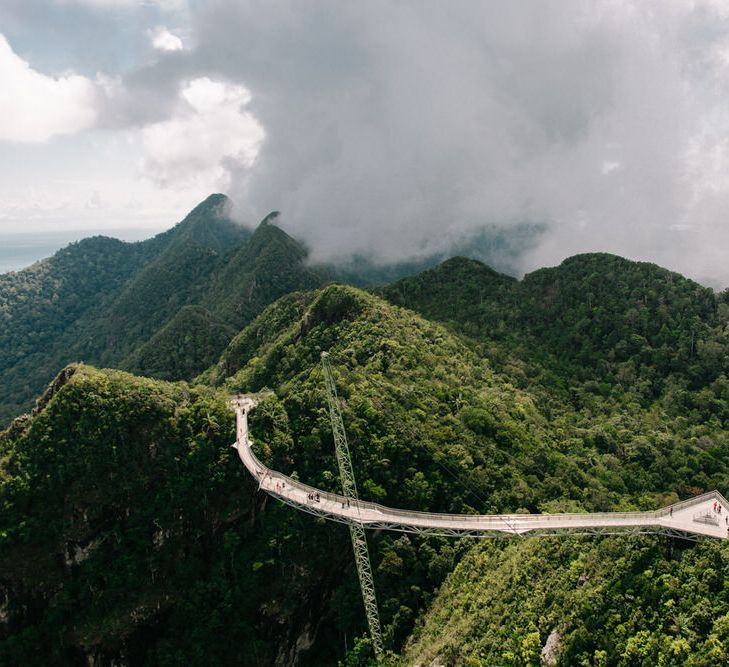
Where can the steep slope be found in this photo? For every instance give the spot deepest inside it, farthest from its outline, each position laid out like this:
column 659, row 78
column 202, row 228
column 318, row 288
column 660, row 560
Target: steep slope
column 595, row 317
column 178, row 277
column 39, row 306
column 432, row 427
column 131, row 534
column 274, row 322
column 146, row 472
column 148, row 543
column 117, row 304
column 269, row 266
column 118, row 498
column 577, row 601
column 182, row 348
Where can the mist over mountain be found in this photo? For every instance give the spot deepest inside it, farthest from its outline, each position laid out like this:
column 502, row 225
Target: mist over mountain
column 132, row 312
column 442, row 379
column 132, row 534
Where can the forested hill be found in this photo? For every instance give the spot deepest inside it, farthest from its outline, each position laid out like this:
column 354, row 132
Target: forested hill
column 179, row 276
column 40, row 306
column 131, row 534
column 145, row 533
column 126, row 304
column 598, row 318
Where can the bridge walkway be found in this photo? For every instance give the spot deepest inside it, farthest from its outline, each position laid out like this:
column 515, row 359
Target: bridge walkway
column 693, row 518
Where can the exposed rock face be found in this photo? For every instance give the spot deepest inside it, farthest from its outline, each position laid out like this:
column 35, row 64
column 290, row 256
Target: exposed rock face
column 75, row 553
column 291, row 657
column 551, row 649
column 4, row 608
column 59, row 381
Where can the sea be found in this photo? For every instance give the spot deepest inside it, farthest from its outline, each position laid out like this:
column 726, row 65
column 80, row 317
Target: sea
column 19, row 250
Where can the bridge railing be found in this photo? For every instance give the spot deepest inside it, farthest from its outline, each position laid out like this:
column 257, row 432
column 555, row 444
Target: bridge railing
column 415, row 517
column 709, row 495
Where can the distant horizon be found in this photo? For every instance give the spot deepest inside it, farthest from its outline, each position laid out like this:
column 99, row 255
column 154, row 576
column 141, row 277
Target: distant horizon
column 21, row 249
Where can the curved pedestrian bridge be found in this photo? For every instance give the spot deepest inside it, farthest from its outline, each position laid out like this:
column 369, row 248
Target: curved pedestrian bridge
column 706, row 515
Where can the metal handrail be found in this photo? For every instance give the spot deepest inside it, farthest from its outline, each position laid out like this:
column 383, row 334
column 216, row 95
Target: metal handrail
column 430, row 517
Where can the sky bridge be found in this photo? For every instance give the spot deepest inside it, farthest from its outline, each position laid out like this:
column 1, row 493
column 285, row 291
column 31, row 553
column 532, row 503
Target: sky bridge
column 704, row 516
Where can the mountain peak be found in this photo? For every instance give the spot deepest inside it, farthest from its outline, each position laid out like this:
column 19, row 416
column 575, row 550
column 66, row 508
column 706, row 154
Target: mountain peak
column 268, row 233
column 216, row 204
column 210, row 225
column 269, row 218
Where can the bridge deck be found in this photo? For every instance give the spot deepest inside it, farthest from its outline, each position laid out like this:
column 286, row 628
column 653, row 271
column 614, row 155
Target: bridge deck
column 692, row 518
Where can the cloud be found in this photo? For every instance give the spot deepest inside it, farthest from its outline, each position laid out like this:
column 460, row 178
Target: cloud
column 126, row 4
column 397, row 130
column 209, row 130
column 164, row 40
column 394, row 128
column 37, row 107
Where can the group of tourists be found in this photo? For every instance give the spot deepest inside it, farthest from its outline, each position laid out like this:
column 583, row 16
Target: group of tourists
column 313, row 497
column 717, row 510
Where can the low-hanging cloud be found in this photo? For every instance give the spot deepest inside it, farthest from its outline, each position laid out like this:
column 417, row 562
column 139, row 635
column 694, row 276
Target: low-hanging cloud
column 397, row 130
column 393, row 127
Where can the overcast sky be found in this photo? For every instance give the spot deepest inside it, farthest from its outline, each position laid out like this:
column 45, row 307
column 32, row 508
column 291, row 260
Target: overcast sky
column 390, row 129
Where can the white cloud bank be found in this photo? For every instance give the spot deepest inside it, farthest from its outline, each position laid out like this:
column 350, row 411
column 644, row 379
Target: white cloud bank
column 209, row 130
column 164, row 40
column 36, row 107
column 126, row 4
column 394, row 128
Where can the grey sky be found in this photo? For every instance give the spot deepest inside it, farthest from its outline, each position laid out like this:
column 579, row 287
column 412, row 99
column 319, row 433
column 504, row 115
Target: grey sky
column 384, row 128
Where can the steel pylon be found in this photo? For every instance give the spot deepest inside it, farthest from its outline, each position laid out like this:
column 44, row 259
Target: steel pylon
column 349, row 489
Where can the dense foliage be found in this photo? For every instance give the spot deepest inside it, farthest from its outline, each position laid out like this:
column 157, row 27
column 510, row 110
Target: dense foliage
column 629, row 326
column 125, row 305
column 198, row 247
column 616, row 601
column 39, row 305
column 432, row 427
column 184, row 347
column 130, row 533
column 597, row 385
